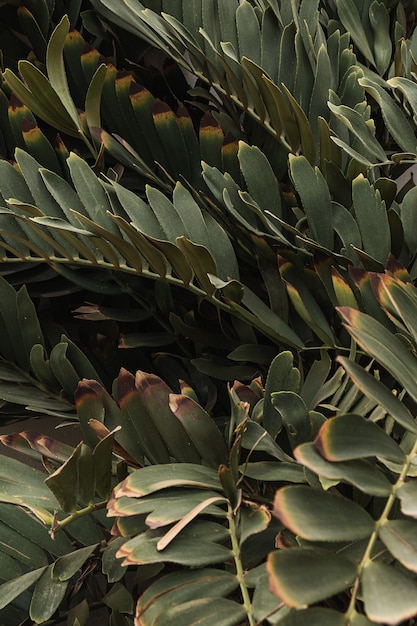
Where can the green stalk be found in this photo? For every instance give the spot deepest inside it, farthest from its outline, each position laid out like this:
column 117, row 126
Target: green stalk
column 59, row 524
column 247, row 605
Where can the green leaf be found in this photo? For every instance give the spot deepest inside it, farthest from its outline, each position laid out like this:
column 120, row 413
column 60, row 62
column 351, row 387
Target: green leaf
column 111, row 566
column 379, row 18
column 301, row 577
column 181, row 587
column 56, row 68
column 204, row 612
column 362, row 474
column 37, row 93
column 47, row 596
column 153, row 478
column 408, row 216
column 294, row 415
column 260, row 179
column 67, row 565
column 154, row 394
column 64, row 482
column 196, row 546
column 165, row 508
column 282, row 376
column 13, row 588
column 91, row 193
column 255, row 437
column 201, row 261
column 354, row 437
column 24, row 485
column 372, row 219
column 400, row 537
column 138, row 423
column 349, row 16
column 356, row 123
column 383, row 346
column 315, row 198
column 389, row 596
column 103, row 457
column 270, row 470
column 395, row 120
column 93, row 97
column 319, row 516
column 377, row 391
column 201, row 429
column 314, row 617
column 248, row 32
column 407, row 495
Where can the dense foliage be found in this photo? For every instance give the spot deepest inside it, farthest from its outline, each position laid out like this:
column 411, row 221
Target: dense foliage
column 208, row 251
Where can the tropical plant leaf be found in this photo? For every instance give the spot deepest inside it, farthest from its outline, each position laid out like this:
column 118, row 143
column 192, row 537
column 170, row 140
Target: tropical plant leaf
column 353, row 437
column 379, row 578
column 292, row 572
column 319, row 516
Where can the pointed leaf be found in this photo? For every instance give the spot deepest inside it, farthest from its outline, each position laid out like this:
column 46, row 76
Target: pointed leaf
column 382, row 346
column 67, row 565
column 47, row 596
column 13, row 588
column 350, row 18
column 56, row 68
column 394, row 117
column 374, row 389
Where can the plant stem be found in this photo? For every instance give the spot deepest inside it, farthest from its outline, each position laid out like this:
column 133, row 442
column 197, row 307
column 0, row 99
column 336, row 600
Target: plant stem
column 374, row 536
column 59, row 524
column 247, row 605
